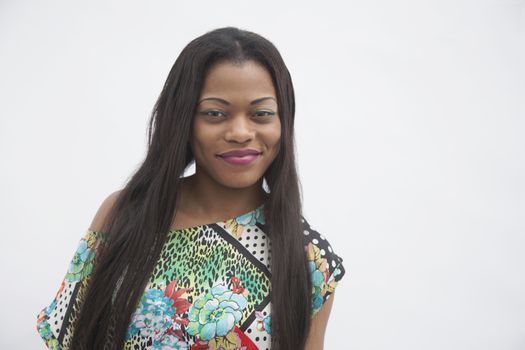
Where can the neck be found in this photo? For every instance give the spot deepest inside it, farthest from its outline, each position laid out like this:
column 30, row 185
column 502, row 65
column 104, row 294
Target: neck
column 202, row 196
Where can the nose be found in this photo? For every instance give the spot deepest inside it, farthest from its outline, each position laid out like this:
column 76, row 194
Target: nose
column 239, row 130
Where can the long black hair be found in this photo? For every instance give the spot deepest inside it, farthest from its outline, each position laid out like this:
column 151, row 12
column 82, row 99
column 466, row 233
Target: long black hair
column 144, row 210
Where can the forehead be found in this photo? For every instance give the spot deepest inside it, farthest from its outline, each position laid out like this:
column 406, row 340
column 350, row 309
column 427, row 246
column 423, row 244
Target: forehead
column 227, row 78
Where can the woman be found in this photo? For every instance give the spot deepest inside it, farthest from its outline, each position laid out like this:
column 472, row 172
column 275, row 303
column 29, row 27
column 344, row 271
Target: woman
column 221, row 259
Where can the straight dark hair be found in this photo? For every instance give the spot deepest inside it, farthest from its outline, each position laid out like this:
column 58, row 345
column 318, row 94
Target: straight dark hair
column 144, row 210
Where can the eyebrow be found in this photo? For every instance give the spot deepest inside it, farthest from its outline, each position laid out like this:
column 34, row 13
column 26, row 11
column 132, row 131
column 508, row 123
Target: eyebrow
column 228, row 103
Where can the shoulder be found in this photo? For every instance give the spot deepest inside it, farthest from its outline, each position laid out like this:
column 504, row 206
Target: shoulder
column 318, row 248
column 326, row 266
column 99, row 221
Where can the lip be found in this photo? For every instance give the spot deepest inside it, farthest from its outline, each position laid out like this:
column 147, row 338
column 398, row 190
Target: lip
column 242, row 156
column 241, row 152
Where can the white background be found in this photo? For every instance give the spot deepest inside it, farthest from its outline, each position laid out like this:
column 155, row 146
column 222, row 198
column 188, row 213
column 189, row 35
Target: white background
column 410, row 135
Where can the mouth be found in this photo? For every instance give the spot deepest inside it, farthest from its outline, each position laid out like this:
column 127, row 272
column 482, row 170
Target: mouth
column 240, row 160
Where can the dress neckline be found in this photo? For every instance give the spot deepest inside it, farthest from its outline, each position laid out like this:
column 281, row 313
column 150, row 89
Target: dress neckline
column 240, row 216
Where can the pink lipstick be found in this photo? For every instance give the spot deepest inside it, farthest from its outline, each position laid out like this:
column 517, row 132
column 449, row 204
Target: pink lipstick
column 242, row 156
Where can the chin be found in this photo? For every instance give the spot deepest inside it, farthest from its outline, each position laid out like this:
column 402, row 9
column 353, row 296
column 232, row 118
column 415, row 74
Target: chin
column 238, row 180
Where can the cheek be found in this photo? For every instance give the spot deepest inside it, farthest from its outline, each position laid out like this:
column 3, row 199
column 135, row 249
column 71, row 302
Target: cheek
column 202, row 139
column 273, row 138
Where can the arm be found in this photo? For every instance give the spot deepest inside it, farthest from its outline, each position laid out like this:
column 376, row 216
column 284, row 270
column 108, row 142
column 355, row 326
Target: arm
column 51, row 320
column 315, row 340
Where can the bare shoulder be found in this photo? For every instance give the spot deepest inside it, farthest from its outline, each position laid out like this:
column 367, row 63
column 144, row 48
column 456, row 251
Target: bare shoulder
column 99, row 221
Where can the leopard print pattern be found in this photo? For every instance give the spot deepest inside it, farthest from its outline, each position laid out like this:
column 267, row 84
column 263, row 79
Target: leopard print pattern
column 215, row 274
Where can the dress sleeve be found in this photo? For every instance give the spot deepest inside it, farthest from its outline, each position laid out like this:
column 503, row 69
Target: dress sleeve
column 54, row 321
column 326, row 266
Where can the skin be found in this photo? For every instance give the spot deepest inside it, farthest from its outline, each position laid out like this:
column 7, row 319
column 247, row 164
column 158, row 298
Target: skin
column 219, row 127
column 315, row 339
column 247, row 117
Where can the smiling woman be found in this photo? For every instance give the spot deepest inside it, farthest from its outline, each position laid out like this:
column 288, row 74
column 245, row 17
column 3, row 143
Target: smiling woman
column 212, row 260
column 239, row 144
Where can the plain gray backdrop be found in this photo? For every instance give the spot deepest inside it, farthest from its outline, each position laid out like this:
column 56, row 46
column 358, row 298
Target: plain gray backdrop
column 410, row 137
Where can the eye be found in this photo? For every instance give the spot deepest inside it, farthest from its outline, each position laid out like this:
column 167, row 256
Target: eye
column 213, row 113
column 267, row 115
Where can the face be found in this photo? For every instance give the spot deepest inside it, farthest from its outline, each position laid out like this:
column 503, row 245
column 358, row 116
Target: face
column 237, row 110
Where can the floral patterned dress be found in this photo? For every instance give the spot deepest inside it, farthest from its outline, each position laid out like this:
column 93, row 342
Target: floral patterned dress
column 209, row 290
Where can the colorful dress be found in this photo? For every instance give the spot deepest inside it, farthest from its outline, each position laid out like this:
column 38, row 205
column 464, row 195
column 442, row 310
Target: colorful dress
column 209, row 290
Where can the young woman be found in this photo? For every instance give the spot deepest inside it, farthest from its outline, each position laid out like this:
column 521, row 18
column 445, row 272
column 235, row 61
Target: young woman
column 221, row 259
